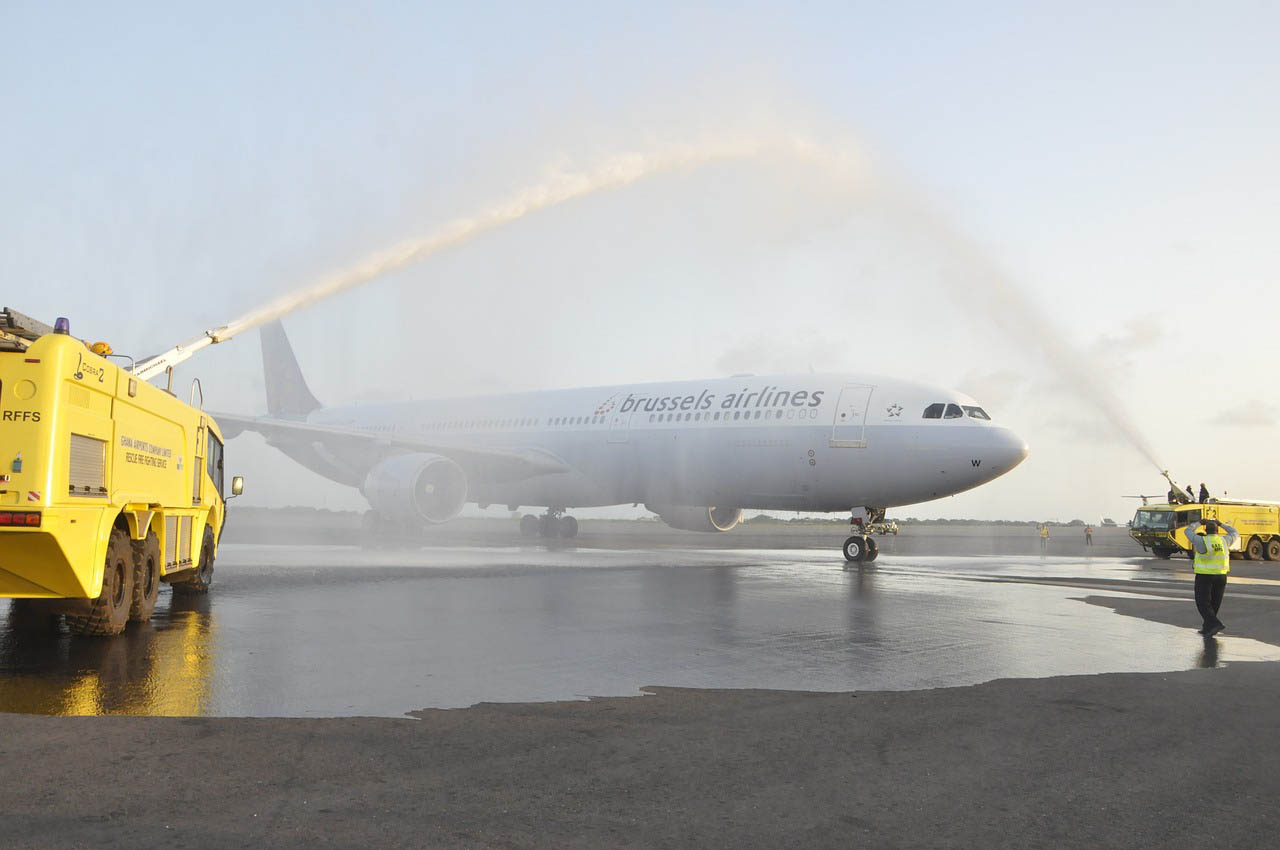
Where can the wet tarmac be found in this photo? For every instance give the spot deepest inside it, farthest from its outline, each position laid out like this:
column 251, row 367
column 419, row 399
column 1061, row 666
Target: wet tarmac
column 331, row 631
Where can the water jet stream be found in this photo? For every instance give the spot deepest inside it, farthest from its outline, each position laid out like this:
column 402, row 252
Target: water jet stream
column 1013, row 310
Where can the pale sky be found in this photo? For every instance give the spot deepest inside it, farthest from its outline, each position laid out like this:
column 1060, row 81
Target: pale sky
column 164, row 170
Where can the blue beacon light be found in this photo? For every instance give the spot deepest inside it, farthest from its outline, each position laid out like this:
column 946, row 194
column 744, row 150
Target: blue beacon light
column 62, row 325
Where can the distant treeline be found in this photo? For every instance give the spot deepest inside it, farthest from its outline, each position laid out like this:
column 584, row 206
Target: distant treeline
column 844, row 520
column 300, row 511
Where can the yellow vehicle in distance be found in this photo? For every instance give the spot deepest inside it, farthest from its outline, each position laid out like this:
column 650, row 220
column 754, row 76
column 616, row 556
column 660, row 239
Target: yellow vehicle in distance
column 109, row 486
column 1159, row 528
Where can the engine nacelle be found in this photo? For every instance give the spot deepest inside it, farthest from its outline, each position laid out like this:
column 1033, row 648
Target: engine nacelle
column 416, row 487
column 698, row 519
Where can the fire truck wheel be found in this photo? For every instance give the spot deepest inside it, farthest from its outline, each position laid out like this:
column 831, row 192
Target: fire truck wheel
column 202, row 576
column 146, row 578
column 110, row 611
column 1272, row 550
column 1161, row 553
column 32, row 615
column 1254, row 550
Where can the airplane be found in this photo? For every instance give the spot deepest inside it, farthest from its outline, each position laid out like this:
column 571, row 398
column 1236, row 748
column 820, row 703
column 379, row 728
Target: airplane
column 696, row 453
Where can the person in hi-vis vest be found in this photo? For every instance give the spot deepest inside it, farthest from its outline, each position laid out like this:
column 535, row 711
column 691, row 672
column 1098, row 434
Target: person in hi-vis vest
column 1212, row 563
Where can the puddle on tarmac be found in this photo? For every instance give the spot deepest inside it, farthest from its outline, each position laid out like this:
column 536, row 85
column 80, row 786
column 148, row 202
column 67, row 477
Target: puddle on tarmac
column 332, row 631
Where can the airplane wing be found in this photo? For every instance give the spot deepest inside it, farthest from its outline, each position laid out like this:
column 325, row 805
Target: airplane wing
column 493, row 464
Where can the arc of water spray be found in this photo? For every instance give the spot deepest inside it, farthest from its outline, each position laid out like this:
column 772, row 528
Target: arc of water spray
column 1012, row 310
column 616, row 173
column 1027, row 322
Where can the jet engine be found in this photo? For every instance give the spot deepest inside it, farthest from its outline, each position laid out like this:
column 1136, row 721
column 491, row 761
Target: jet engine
column 698, row 519
column 416, row 487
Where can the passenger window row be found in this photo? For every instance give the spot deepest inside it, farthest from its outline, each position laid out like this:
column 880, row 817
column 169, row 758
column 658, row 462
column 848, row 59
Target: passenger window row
column 473, row 424
column 954, row 411
column 571, row 421
column 738, row 415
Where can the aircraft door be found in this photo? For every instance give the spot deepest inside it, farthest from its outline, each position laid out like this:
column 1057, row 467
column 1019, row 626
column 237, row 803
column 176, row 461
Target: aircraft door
column 620, row 426
column 849, row 428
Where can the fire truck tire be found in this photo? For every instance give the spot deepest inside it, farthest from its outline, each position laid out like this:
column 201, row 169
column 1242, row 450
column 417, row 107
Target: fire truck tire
column 109, row 613
column 1272, row 550
column 32, row 615
column 202, row 576
column 146, row 578
column 1161, row 553
column 1253, row 550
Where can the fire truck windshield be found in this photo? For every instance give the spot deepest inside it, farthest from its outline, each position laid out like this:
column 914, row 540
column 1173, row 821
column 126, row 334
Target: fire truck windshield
column 1153, row 521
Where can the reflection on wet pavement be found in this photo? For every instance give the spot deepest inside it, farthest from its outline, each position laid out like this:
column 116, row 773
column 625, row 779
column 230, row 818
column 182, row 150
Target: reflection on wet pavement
column 161, row 668
column 335, row 631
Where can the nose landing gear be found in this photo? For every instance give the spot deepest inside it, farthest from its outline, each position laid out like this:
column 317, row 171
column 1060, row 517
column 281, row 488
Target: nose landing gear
column 860, row 548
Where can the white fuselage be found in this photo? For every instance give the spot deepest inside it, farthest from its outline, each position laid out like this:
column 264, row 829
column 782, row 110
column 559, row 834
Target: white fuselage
column 791, row 442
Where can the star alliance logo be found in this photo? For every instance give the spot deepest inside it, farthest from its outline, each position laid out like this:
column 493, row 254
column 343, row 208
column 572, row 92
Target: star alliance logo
column 894, row 410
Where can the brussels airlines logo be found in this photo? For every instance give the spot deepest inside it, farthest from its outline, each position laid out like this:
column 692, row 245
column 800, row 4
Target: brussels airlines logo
column 769, row 397
column 606, row 407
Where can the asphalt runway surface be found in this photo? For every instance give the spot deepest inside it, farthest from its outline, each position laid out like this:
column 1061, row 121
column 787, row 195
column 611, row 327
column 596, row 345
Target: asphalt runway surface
column 738, row 697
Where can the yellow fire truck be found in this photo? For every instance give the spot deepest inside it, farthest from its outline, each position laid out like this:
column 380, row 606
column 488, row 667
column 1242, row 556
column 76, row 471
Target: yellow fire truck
column 1159, row 528
column 109, row 486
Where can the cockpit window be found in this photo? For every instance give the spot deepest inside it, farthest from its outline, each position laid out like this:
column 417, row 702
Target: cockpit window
column 943, row 410
column 1153, row 521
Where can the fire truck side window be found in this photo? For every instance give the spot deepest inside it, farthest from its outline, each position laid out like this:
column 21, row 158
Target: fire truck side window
column 214, row 461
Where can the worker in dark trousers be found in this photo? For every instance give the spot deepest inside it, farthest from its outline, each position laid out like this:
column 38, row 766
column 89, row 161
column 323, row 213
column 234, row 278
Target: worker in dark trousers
column 1212, row 563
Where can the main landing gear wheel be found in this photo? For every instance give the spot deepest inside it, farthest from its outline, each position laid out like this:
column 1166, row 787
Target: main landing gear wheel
column 859, row 549
column 555, row 523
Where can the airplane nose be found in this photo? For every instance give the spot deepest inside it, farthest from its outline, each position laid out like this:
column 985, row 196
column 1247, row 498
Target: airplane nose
column 1010, row 450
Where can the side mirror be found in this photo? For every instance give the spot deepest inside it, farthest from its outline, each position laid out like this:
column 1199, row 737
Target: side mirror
column 237, row 485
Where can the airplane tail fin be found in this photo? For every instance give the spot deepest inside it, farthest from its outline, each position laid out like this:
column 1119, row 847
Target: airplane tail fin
column 287, row 392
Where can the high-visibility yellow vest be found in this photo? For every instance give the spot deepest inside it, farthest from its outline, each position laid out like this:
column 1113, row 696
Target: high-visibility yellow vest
column 1216, row 561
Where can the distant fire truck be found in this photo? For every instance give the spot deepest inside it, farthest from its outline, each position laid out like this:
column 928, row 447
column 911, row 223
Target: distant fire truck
column 1159, row 528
